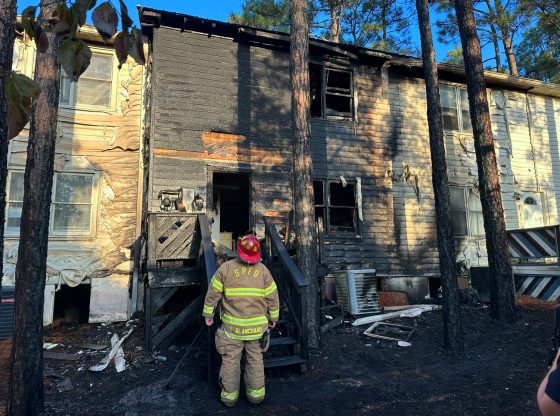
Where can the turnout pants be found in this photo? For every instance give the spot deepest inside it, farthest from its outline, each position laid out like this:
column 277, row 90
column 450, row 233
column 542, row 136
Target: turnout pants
column 230, row 372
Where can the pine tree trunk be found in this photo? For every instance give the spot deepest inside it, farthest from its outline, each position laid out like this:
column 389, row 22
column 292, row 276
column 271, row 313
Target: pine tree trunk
column 501, row 278
column 304, row 208
column 26, row 382
column 506, row 37
column 336, row 11
column 452, row 327
column 7, row 37
column 496, row 47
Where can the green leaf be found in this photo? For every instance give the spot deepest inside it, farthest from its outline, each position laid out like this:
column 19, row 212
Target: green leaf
column 126, row 21
column 79, row 11
column 61, row 20
column 136, row 46
column 41, row 39
column 105, row 19
column 121, row 47
column 74, row 56
column 19, row 91
column 28, row 20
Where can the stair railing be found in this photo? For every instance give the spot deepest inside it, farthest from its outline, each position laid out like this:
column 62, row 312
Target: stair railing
column 291, row 283
column 209, row 263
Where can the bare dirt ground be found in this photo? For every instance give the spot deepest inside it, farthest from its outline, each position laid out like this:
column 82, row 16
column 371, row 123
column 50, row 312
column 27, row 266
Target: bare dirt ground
column 498, row 374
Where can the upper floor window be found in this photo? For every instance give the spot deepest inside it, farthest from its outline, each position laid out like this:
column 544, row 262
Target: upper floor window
column 332, row 92
column 71, row 209
column 95, row 86
column 466, row 212
column 335, row 206
column 455, row 108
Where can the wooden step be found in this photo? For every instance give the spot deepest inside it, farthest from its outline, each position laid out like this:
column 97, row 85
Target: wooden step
column 283, row 341
column 283, row 361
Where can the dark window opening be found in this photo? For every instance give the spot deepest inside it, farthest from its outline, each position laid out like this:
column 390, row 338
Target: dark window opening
column 71, row 304
column 338, row 96
column 335, row 207
column 316, row 90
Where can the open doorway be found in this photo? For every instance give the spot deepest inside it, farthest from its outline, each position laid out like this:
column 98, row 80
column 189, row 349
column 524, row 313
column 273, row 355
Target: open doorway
column 231, row 207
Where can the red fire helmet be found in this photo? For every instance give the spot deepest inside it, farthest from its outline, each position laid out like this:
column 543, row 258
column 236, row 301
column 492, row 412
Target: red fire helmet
column 248, row 249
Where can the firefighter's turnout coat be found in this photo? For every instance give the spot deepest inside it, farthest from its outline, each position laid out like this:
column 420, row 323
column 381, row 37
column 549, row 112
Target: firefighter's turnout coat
column 249, row 299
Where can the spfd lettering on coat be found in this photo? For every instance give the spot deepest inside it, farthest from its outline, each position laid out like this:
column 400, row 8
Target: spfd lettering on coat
column 246, row 271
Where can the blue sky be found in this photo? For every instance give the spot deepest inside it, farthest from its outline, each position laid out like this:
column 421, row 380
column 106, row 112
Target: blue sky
column 217, row 10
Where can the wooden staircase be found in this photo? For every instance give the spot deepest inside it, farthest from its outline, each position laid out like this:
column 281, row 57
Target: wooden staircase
column 181, row 262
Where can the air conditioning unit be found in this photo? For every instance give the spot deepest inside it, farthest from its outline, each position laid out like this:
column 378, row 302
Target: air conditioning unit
column 357, row 290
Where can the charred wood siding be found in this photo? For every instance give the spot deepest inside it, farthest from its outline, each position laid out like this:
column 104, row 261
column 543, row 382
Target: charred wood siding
column 205, row 84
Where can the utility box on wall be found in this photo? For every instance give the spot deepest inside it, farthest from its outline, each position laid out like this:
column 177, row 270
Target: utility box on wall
column 7, row 304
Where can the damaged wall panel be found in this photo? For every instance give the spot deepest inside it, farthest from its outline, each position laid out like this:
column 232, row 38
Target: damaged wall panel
column 101, row 143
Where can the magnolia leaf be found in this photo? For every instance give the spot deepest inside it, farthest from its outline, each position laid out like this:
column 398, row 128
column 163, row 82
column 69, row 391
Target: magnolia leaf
column 74, row 56
column 105, row 19
column 19, row 91
column 61, row 20
column 79, row 11
column 28, row 20
column 41, row 39
column 136, row 46
column 121, row 47
column 126, row 21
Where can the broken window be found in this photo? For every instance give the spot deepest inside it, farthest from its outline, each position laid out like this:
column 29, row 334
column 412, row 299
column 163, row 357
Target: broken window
column 316, row 90
column 466, row 212
column 335, row 207
column 72, row 204
column 332, row 93
column 338, row 94
column 95, row 86
column 455, row 108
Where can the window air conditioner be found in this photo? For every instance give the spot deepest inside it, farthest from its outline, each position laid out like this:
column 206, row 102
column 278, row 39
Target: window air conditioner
column 357, row 290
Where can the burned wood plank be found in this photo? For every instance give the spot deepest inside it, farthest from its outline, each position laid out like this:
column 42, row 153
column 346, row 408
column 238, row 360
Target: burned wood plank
column 49, row 355
column 183, row 233
column 186, row 317
column 158, row 321
column 163, row 295
column 161, row 278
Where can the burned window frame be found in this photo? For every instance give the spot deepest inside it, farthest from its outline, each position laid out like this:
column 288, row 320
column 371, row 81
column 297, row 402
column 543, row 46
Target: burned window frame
column 326, row 208
column 467, row 211
column 320, row 92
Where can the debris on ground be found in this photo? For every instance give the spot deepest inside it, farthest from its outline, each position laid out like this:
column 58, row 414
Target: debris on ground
column 50, row 355
column 390, row 332
column 408, row 312
column 116, row 346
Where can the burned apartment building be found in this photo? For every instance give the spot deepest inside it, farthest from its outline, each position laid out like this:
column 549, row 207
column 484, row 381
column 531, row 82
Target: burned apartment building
column 94, row 222
column 219, row 128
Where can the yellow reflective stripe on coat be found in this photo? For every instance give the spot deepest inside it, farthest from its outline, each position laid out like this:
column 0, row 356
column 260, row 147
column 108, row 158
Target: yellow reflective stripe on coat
column 232, row 320
column 208, row 309
column 251, row 337
column 232, row 396
column 274, row 313
column 270, row 290
column 244, row 291
column 255, row 394
column 216, row 284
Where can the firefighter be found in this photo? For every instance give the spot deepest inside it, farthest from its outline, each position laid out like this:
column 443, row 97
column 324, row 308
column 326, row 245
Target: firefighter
column 250, row 308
